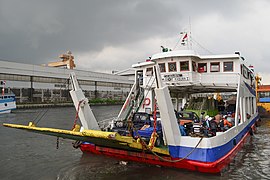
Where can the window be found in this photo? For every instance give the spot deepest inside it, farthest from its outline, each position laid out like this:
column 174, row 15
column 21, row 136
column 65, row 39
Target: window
column 194, row 66
column 172, row 66
column 202, row 67
column 162, row 67
column 184, row 66
column 149, row 72
column 214, row 67
column 245, row 71
column 228, row 66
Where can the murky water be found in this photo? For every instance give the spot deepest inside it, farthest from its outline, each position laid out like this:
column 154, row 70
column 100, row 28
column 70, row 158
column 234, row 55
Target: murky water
column 26, row 155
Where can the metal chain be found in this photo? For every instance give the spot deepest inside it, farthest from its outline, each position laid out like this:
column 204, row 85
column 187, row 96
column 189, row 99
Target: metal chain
column 57, row 142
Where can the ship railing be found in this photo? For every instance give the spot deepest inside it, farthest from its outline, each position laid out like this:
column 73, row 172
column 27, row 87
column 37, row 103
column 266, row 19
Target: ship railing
column 132, row 103
column 126, row 108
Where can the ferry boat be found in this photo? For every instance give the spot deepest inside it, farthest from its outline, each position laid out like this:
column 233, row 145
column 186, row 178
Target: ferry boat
column 7, row 100
column 173, row 114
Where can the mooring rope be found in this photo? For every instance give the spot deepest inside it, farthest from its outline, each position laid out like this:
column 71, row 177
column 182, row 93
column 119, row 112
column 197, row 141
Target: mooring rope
column 40, row 116
column 160, row 157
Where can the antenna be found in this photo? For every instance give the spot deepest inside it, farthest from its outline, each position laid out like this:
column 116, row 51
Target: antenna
column 190, row 40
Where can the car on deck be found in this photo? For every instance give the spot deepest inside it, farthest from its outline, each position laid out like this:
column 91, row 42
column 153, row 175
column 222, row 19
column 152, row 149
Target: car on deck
column 142, row 126
column 186, row 117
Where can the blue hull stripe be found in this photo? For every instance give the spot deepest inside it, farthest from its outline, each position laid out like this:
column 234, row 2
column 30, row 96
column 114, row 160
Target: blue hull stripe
column 7, row 100
column 251, row 90
column 210, row 154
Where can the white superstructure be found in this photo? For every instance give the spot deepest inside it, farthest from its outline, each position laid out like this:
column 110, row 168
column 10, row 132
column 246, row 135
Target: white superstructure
column 188, row 76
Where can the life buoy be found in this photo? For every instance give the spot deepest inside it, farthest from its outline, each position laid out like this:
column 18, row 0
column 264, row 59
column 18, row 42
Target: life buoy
column 146, row 102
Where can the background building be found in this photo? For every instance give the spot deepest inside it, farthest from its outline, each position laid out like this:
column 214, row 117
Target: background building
column 35, row 83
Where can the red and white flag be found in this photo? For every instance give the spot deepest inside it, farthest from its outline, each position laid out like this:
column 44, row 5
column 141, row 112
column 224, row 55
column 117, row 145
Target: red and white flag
column 184, row 38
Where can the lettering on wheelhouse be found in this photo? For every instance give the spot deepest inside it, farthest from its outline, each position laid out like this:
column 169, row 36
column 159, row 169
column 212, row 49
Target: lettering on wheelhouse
column 175, row 77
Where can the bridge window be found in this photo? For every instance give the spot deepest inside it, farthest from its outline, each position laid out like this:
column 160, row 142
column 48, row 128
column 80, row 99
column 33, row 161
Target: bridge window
column 214, row 67
column 228, row 66
column 264, row 94
column 149, row 71
column 162, row 67
column 202, row 67
column 245, row 71
column 184, row 66
column 172, row 66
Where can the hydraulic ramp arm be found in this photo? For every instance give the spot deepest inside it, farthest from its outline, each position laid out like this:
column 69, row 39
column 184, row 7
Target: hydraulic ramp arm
column 81, row 104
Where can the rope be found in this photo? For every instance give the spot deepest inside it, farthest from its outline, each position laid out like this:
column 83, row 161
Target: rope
column 178, row 160
column 77, row 114
column 39, row 116
column 145, row 146
column 155, row 116
column 177, row 43
column 154, row 133
column 199, row 45
column 57, row 142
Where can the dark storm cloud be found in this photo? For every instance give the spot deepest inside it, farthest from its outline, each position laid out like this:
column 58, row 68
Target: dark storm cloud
column 37, row 32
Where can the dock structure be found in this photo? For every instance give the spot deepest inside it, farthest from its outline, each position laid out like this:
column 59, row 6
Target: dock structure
column 42, row 84
column 264, row 99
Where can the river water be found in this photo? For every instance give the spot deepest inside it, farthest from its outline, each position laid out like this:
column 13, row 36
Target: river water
column 26, row 155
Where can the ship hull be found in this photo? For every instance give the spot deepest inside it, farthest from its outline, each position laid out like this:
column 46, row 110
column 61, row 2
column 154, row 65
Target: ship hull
column 149, row 158
column 5, row 111
column 7, row 105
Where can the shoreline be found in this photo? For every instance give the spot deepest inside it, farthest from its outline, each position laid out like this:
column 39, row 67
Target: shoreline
column 68, row 104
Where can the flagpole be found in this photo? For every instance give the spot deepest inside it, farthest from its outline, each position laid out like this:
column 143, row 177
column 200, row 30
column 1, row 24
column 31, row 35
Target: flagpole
column 190, row 33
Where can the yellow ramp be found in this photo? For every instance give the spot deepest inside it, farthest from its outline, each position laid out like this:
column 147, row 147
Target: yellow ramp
column 100, row 138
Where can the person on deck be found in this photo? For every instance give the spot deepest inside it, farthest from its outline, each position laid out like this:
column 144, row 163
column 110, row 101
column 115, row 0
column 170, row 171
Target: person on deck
column 214, row 126
column 182, row 130
column 225, row 124
column 218, row 118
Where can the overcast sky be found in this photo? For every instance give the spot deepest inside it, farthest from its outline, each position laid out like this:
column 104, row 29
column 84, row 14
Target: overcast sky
column 106, row 35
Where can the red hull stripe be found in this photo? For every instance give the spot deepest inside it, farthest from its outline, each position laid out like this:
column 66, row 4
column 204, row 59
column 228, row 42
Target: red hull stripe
column 210, row 154
column 211, row 167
